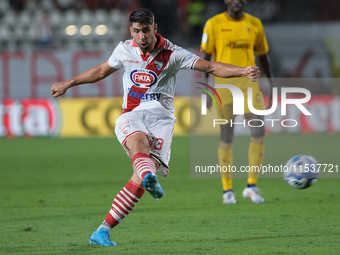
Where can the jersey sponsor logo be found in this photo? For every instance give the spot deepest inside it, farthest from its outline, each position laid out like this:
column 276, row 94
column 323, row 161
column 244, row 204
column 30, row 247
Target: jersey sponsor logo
column 258, row 98
column 144, row 97
column 226, row 30
column 235, row 45
column 158, row 64
column 143, row 78
column 190, row 56
column 126, row 130
column 124, row 124
column 131, row 61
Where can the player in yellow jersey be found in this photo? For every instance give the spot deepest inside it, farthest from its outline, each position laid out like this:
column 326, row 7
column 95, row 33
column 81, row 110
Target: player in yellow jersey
column 234, row 37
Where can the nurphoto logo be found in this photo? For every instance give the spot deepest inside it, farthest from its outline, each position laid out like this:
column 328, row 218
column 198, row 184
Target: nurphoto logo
column 238, row 104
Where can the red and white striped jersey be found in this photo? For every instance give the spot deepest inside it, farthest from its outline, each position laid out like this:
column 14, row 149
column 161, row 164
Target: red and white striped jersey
column 151, row 77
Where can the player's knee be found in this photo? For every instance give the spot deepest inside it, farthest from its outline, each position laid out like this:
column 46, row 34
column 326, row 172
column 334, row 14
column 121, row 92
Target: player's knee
column 257, row 127
column 227, row 137
column 140, row 146
column 227, row 134
column 137, row 144
column 257, row 132
column 257, row 140
column 225, row 146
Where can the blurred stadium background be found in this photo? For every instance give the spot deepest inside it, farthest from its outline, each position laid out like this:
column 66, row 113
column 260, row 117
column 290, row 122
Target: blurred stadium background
column 45, row 41
column 55, row 192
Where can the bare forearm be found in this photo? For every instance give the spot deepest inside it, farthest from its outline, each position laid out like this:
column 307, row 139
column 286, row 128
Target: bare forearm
column 219, row 69
column 224, row 70
column 92, row 75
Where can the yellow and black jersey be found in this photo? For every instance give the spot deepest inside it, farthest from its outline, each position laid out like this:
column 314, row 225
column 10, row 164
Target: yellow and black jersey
column 234, row 41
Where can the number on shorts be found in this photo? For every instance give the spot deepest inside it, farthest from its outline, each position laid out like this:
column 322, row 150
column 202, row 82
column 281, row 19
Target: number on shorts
column 159, row 145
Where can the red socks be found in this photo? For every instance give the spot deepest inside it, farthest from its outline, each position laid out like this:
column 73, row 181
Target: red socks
column 124, row 202
column 143, row 164
column 128, row 197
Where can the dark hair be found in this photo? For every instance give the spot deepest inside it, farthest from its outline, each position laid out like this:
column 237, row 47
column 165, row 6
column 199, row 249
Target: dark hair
column 142, row 16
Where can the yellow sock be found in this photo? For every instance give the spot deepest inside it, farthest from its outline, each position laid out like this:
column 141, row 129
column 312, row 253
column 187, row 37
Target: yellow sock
column 255, row 155
column 225, row 158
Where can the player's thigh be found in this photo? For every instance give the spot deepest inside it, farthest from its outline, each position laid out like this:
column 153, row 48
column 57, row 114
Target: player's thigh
column 227, row 130
column 161, row 132
column 226, row 112
column 256, row 122
column 127, row 126
column 137, row 142
column 257, row 100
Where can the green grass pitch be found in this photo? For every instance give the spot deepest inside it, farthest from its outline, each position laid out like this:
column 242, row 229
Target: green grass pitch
column 55, row 192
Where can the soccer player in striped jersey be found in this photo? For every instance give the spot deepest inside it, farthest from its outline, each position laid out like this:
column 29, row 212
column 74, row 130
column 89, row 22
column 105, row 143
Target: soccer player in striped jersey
column 145, row 127
column 234, row 37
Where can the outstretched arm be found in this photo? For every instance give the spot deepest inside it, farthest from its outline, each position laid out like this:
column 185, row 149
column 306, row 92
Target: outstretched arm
column 224, row 70
column 92, row 75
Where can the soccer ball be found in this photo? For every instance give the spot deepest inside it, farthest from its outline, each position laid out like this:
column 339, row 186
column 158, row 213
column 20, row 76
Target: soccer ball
column 301, row 171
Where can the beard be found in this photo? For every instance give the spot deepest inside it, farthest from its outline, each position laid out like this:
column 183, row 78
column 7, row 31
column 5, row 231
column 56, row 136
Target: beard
column 145, row 46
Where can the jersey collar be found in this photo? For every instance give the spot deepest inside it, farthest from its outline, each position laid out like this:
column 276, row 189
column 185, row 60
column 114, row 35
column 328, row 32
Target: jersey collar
column 160, row 41
column 230, row 18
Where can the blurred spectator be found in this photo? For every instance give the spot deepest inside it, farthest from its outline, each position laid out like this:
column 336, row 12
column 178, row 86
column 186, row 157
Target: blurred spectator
column 147, row 4
column 111, row 4
column 64, row 5
column 44, row 34
column 182, row 14
column 17, row 5
column 94, row 4
column 265, row 10
column 129, row 5
column 329, row 10
column 165, row 16
column 195, row 20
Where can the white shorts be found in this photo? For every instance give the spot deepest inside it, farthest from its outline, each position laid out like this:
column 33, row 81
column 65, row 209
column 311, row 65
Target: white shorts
column 157, row 124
